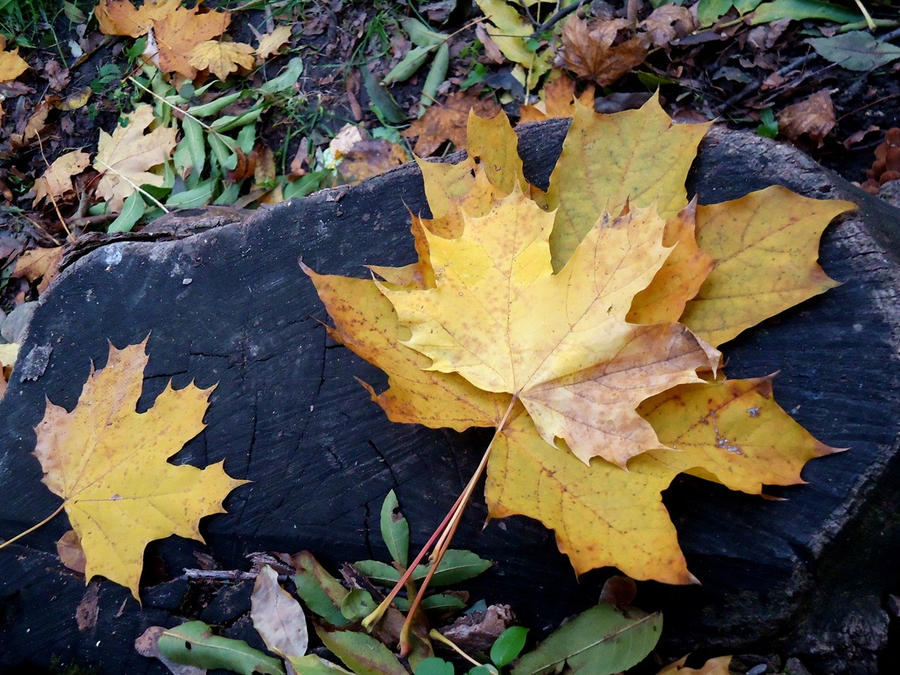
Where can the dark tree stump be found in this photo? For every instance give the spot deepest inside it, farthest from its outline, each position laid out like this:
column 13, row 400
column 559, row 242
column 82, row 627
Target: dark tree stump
column 803, row 577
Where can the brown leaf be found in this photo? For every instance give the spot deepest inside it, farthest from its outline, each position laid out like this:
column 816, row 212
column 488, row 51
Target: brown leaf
column 70, row 553
column 812, row 117
column 39, row 263
column 88, row 609
column 57, row 179
column 558, row 100
column 447, row 122
column 370, row 157
column 588, row 49
column 57, row 76
column 665, row 24
column 121, row 17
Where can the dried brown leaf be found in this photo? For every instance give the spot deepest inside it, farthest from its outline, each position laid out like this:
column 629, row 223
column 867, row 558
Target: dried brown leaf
column 812, row 117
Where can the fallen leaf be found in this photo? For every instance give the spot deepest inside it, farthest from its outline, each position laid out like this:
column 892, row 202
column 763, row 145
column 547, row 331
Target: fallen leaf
column 512, row 34
column 600, row 641
column 277, row 617
column 109, row 465
column 646, row 166
column 812, row 117
column 57, row 76
column 121, row 17
column 70, row 553
column 451, row 332
column 581, row 350
column 147, row 644
column 557, row 100
column 765, row 245
column 370, row 157
column 124, row 157
column 588, row 49
column 39, row 263
column 57, row 179
column 11, row 65
column 194, row 644
column 37, row 122
column 270, row 43
column 447, row 122
column 856, row 50
column 717, row 666
column 666, row 24
column 221, row 58
column 179, row 31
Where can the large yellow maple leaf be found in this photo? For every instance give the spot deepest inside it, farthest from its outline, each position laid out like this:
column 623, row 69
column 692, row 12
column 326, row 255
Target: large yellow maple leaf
column 466, row 331
column 124, row 157
column 109, row 464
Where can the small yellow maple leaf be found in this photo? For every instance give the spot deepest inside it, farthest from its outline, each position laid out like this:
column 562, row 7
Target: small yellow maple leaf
column 109, row 464
column 57, row 179
column 270, row 43
column 11, row 65
column 125, row 156
column 121, row 17
column 221, row 58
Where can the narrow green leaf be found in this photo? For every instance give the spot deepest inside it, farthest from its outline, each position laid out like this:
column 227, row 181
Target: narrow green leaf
column 287, row 79
column 709, row 11
column 486, row 669
column 224, row 154
column 443, row 602
column 193, row 137
column 246, row 138
column 229, row 194
column 321, row 592
column 768, row 127
column 434, row 666
column 73, row 13
column 362, row 653
column 456, row 566
column 600, row 641
column 395, row 529
column 408, row 65
column 744, row 6
column 421, row 34
column 856, row 50
column 229, row 122
column 436, row 74
column 508, row 646
column 357, row 604
column 378, row 572
column 193, row 644
column 132, row 210
column 803, row 9
column 380, row 100
column 214, row 106
column 315, row 665
column 189, row 199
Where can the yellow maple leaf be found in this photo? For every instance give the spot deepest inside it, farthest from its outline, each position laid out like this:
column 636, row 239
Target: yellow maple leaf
column 125, row 156
column 468, row 333
column 221, row 58
column 57, row 179
column 11, row 65
column 270, row 43
column 121, row 17
column 109, row 464
column 179, row 32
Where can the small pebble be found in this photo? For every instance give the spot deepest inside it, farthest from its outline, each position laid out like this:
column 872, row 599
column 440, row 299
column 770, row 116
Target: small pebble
column 186, row 281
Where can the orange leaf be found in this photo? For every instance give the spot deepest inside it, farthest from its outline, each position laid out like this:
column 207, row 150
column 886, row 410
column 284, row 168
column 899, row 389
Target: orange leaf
column 558, row 100
column 121, row 17
column 109, row 465
column 11, row 65
column 57, row 179
column 447, row 122
column 180, row 31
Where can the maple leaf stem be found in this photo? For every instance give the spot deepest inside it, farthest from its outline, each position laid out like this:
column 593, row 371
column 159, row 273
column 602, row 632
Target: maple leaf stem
column 132, row 184
column 446, row 536
column 34, row 527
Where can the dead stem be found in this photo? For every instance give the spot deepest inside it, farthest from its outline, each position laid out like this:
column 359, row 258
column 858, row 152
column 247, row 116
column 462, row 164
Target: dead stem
column 448, row 530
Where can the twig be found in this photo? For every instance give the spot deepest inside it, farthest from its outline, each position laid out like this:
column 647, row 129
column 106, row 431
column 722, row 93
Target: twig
column 558, row 16
column 50, row 192
column 132, row 184
column 223, row 575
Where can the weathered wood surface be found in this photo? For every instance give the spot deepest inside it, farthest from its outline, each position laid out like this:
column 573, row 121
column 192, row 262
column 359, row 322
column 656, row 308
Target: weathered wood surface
column 805, row 576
